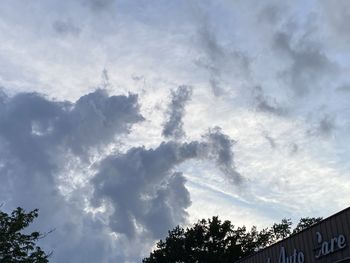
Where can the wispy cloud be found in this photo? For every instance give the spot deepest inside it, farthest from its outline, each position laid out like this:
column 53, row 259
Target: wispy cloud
column 173, row 127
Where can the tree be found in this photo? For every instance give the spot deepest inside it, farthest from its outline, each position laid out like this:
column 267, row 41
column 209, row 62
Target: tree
column 282, row 230
column 212, row 240
column 306, row 222
column 208, row 241
column 16, row 246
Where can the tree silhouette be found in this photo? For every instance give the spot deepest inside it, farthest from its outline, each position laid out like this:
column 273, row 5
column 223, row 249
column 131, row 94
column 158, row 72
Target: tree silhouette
column 16, row 246
column 305, row 223
column 211, row 241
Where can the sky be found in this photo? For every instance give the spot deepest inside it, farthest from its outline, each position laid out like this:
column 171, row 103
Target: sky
column 122, row 119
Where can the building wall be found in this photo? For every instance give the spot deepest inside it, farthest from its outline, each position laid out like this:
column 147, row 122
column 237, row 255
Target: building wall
column 329, row 240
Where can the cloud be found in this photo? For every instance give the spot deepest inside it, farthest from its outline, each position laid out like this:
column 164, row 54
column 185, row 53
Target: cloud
column 344, row 88
column 265, row 104
column 326, row 125
column 219, row 148
column 66, row 28
column 100, row 5
column 294, row 148
column 336, row 17
column 30, row 122
column 309, row 64
column 271, row 13
column 221, row 61
column 173, row 127
column 33, row 129
column 271, row 140
column 43, row 139
column 323, row 125
column 146, row 193
column 215, row 86
column 136, row 195
column 96, row 118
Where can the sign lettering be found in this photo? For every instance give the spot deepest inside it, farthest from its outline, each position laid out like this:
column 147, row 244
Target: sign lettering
column 324, row 248
column 327, row 247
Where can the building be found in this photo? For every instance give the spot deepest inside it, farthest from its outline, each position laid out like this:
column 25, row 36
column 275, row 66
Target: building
column 325, row 242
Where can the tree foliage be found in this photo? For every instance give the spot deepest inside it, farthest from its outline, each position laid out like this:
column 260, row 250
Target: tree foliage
column 305, row 223
column 212, row 240
column 16, row 246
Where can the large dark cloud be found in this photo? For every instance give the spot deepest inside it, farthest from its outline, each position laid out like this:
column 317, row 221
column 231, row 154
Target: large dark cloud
column 35, row 132
column 39, row 138
column 33, row 125
column 173, row 127
column 97, row 118
column 138, row 194
column 144, row 189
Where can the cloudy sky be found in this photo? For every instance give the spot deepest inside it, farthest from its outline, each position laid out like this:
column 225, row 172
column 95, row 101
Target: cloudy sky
column 122, row 119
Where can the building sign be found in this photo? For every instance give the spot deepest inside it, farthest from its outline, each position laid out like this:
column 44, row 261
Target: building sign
column 324, row 248
column 327, row 247
column 324, row 242
column 295, row 257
